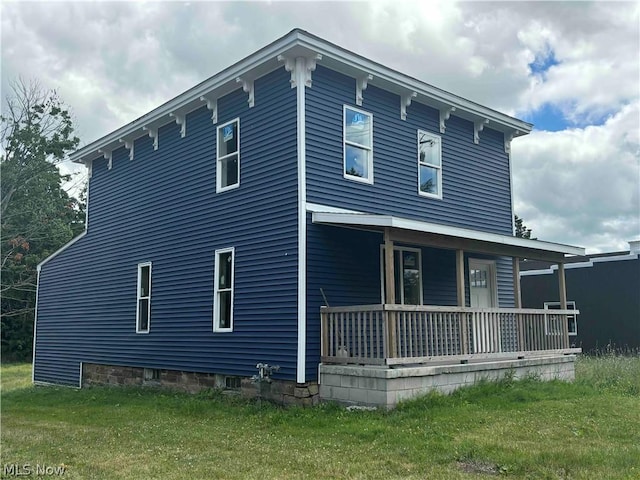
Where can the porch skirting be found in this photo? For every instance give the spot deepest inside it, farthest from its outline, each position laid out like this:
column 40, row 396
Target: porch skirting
column 381, row 386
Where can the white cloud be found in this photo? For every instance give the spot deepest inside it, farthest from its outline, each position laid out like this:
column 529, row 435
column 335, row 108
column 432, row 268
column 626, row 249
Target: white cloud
column 113, row 62
column 582, row 186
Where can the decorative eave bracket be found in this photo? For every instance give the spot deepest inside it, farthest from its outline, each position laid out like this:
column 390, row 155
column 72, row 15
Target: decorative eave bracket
column 307, row 64
column 108, row 155
column 405, row 101
column 445, row 113
column 361, row 86
column 128, row 144
column 153, row 133
column 247, row 87
column 181, row 119
column 212, row 104
column 477, row 128
column 507, row 140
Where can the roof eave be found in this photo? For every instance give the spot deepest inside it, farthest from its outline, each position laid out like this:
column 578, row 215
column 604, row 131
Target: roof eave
column 297, row 43
column 536, row 248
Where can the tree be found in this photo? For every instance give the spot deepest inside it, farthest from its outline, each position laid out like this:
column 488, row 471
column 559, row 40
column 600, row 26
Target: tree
column 521, row 229
column 37, row 215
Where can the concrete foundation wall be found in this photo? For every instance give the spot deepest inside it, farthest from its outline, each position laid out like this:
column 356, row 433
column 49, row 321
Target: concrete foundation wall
column 385, row 387
column 278, row 391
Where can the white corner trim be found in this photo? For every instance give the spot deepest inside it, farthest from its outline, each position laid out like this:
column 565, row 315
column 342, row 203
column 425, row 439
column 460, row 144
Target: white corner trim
column 80, row 376
column 445, row 114
column 212, row 104
column 361, row 86
column 301, row 78
column 153, row 133
column 477, row 128
column 128, row 144
column 35, row 329
column 247, row 87
column 405, row 101
column 181, row 119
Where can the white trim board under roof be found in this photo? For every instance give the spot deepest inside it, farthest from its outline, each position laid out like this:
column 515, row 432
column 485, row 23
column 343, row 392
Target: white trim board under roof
column 299, row 43
column 444, row 236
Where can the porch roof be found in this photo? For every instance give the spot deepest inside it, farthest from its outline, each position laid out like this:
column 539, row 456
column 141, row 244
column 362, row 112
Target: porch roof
column 445, row 236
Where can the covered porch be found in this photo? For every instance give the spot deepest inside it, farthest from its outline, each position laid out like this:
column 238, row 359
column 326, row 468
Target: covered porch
column 396, row 333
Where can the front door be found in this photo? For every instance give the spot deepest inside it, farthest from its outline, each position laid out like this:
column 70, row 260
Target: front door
column 482, row 293
column 482, row 281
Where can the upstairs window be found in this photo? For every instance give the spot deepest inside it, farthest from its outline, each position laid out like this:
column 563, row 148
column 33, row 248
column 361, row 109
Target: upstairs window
column 223, row 291
column 429, row 165
column 358, row 145
column 228, row 164
column 143, row 311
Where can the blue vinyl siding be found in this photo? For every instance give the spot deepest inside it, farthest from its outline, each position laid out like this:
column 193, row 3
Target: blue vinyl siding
column 345, row 263
column 162, row 207
column 476, row 180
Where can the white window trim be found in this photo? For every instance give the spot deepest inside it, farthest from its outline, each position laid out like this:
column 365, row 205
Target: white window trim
column 571, row 305
column 216, row 310
column 219, row 187
column 438, row 168
column 369, row 179
column 138, row 297
column 400, row 249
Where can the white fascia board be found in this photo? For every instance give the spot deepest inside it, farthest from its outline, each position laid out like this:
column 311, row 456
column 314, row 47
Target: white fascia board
column 382, row 221
column 60, row 250
column 265, row 60
column 569, row 266
column 381, row 73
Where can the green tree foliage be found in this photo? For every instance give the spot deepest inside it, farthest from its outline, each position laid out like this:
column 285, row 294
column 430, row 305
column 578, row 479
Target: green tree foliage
column 521, row 229
column 37, row 215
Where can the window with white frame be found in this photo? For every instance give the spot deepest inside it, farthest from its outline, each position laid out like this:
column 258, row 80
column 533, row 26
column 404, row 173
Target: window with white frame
column 429, row 164
column 407, row 275
column 223, row 291
column 228, row 154
column 143, row 310
column 572, row 320
column 358, row 145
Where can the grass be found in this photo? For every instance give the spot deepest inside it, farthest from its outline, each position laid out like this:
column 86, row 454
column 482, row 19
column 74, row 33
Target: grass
column 516, row 429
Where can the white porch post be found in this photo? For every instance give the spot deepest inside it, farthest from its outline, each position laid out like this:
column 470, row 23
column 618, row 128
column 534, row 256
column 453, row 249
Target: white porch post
column 517, row 296
column 390, row 292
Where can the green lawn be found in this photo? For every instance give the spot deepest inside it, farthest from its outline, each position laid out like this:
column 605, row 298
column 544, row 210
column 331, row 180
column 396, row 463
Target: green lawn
column 587, row 430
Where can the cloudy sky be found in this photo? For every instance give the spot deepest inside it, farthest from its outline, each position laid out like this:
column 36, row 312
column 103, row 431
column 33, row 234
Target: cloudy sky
column 572, row 69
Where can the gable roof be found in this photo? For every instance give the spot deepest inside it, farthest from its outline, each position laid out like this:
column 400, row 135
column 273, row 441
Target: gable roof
column 299, row 43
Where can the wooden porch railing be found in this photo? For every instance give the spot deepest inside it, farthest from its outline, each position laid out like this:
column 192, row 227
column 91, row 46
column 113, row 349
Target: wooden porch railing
column 396, row 334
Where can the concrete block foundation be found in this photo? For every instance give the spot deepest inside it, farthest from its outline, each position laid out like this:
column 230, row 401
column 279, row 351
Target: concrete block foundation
column 381, row 386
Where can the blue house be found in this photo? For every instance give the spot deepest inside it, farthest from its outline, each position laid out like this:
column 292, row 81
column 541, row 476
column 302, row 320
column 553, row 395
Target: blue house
column 305, row 208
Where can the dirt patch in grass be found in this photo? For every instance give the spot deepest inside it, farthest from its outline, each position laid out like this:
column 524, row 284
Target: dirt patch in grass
column 477, row 466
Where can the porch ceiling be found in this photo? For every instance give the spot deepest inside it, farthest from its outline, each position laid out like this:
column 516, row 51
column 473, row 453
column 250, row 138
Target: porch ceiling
column 454, row 238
